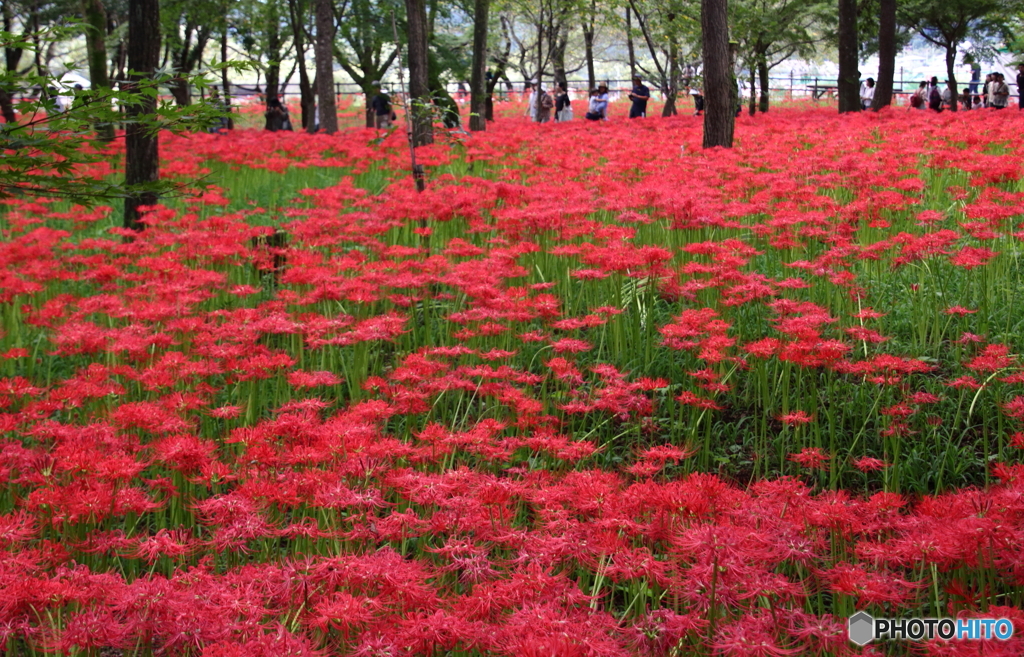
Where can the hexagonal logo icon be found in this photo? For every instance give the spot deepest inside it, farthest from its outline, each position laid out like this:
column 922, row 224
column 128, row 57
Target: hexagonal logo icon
column 861, row 628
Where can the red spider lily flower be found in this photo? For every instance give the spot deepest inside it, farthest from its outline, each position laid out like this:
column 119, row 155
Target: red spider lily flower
column 225, row 412
column 795, row 417
column 300, row 379
column 971, row 257
column 750, row 636
column 811, row 457
column 869, row 464
column 570, row 345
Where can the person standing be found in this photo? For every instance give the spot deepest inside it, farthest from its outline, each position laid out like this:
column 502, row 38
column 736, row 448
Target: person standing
column 531, row 101
column 975, row 77
column 698, row 101
column 1000, row 92
column 867, row 93
column 544, row 105
column 934, row 95
column 1020, row 87
column 275, row 115
column 381, row 105
column 640, row 95
column 563, row 105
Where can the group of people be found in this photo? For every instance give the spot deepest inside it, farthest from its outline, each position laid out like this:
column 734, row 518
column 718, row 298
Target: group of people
column 541, row 103
column 994, row 94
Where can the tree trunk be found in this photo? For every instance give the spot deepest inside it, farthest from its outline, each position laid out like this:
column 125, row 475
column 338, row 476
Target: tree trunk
column 307, row 99
column 752, row 102
column 419, row 76
column 7, row 107
column 762, row 70
column 886, row 54
column 672, row 89
column 325, row 65
column 96, row 47
column 142, row 153
column 478, row 78
column 558, row 47
column 951, row 77
column 719, row 85
column 224, row 82
column 849, row 75
column 629, row 46
column 439, row 96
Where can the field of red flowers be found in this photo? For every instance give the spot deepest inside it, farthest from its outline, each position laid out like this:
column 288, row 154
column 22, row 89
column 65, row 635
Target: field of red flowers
column 594, row 392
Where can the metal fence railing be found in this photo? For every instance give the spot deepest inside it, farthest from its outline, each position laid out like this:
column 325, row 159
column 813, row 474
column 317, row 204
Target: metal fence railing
column 780, row 87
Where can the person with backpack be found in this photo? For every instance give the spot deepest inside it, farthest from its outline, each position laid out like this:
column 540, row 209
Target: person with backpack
column 563, row 104
column 381, row 106
column 544, row 105
column 934, row 96
column 920, row 98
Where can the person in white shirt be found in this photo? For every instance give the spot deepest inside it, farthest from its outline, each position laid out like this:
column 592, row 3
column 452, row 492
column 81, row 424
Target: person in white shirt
column 531, row 102
column 867, row 93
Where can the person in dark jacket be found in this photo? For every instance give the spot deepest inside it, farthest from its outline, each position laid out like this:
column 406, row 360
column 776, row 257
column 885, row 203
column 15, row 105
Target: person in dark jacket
column 934, row 96
column 381, row 105
column 640, row 95
column 1020, row 87
column 563, row 105
column 276, row 114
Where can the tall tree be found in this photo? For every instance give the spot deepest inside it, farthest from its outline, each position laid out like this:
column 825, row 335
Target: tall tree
column 188, row 26
column 224, row 83
column 325, row 65
column 630, row 49
column 665, row 23
column 849, row 68
column 365, row 49
column 478, row 76
column 887, row 47
column 768, row 32
column 419, row 103
column 307, row 95
column 12, row 57
column 719, row 83
column 142, row 151
column 96, row 48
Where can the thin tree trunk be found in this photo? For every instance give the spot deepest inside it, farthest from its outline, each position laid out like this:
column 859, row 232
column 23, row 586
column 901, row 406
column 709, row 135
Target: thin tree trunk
column 224, row 82
column 849, row 75
column 478, row 77
column 629, row 45
column 672, row 90
column 307, row 99
column 752, row 103
column 142, row 152
column 951, row 77
column 719, row 83
column 7, row 107
column 419, row 75
column 96, row 47
column 886, row 54
column 762, row 70
column 325, row 65
column 540, row 51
